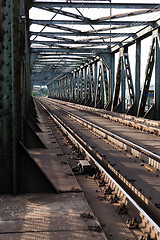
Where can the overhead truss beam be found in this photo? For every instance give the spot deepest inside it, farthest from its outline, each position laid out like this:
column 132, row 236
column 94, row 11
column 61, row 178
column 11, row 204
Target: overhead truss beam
column 93, row 22
column 81, row 4
column 65, row 50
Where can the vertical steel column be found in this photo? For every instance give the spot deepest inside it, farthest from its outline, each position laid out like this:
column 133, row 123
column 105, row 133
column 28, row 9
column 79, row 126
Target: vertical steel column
column 66, row 88
column 107, row 65
column 111, row 77
column 28, row 83
column 157, row 76
column 85, row 82
column 10, row 76
column 49, row 88
column 128, row 76
column 92, row 84
column 7, row 115
column 82, row 84
column 54, row 89
column 123, row 87
column 105, row 84
column 60, row 88
column 95, row 80
column 137, row 73
column 70, row 83
column 99, row 96
column 102, row 85
column 14, row 33
column 88, row 85
column 118, row 84
column 63, row 88
column 74, row 86
column 78, row 86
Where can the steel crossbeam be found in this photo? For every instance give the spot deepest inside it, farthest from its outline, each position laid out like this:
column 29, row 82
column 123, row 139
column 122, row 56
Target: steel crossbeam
column 94, row 22
column 80, row 4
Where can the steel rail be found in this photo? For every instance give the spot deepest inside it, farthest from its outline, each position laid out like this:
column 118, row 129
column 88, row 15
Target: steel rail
column 100, row 166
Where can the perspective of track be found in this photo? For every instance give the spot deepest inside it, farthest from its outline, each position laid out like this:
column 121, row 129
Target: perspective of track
column 128, row 172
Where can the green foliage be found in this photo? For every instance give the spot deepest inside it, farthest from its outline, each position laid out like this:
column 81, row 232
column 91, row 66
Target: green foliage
column 42, row 92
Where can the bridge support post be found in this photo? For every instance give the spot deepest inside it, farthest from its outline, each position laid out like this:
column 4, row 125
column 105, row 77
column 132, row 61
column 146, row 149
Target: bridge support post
column 123, row 81
column 95, row 80
column 10, row 94
column 111, row 76
column 137, row 73
column 109, row 62
column 157, row 76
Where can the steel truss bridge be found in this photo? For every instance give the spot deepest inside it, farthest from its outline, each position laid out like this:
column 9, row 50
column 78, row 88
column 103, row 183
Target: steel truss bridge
column 87, row 52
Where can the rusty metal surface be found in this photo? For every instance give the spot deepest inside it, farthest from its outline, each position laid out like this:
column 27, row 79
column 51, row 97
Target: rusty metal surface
column 55, row 167
column 46, row 216
column 52, row 161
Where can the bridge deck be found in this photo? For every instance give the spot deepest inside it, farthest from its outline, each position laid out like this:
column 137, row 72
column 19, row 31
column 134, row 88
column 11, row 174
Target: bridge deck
column 49, row 215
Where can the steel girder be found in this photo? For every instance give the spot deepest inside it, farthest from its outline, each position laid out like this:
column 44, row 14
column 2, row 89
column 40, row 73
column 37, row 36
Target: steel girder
column 97, row 22
column 10, row 94
column 92, row 4
column 157, row 75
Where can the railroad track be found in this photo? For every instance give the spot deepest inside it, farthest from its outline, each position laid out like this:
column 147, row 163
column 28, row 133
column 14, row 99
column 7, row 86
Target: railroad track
column 146, row 125
column 124, row 189
column 136, row 150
